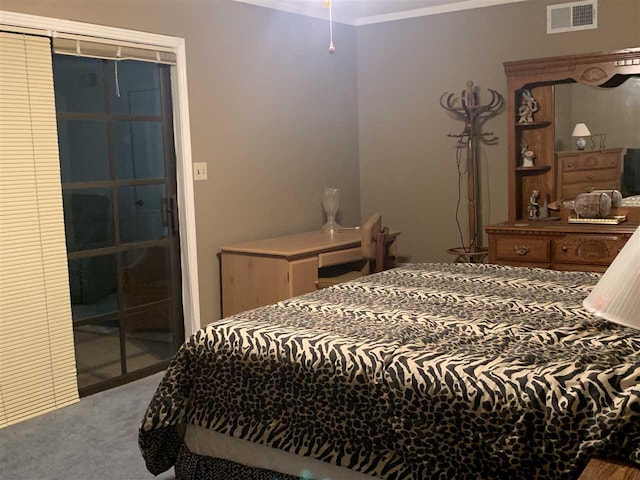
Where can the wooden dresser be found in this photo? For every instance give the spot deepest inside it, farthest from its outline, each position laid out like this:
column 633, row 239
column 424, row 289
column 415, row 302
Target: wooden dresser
column 559, row 176
column 557, row 245
column 587, row 170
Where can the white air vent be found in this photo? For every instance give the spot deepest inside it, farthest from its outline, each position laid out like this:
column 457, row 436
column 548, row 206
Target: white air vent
column 569, row 17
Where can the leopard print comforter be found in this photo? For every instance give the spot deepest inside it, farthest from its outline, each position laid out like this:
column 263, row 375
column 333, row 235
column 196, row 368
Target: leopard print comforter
column 430, row 371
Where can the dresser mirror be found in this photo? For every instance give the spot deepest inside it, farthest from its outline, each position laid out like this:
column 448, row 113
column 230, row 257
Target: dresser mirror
column 611, row 157
column 560, row 171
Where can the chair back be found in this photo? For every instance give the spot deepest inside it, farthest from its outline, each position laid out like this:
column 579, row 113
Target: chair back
column 375, row 248
column 376, row 244
column 370, row 233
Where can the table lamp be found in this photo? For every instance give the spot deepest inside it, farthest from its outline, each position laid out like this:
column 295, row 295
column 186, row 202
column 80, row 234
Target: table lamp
column 616, row 297
column 581, row 131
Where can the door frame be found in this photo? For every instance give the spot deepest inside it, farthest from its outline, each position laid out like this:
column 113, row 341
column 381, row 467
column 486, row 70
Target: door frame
column 48, row 26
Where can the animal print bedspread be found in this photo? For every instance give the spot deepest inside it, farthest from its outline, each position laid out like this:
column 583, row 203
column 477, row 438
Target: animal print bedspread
column 433, row 371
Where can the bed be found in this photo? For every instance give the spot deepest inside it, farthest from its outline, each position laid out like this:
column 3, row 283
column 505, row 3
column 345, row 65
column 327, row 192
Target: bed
column 632, row 201
column 426, row 371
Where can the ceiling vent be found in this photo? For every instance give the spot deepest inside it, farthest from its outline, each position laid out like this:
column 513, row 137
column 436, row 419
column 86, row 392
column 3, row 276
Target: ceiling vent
column 569, row 17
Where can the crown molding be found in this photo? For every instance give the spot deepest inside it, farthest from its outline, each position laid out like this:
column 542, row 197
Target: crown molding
column 424, row 12
column 301, row 8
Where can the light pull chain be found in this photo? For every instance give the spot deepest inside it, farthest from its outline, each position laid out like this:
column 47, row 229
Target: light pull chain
column 115, row 71
column 328, row 3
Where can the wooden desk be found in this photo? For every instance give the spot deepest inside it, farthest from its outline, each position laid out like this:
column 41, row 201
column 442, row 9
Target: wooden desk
column 266, row 271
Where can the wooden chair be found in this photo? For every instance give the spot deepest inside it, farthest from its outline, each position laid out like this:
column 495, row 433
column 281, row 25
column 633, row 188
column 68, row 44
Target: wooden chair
column 375, row 251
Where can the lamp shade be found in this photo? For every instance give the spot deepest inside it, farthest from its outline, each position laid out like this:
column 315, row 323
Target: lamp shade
column 581, row 130
column 616, row 297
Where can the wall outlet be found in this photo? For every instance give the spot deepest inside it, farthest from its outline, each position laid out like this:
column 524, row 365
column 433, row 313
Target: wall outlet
column 200, row 170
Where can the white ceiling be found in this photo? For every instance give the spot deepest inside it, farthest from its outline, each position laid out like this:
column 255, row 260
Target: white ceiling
column 363, row 12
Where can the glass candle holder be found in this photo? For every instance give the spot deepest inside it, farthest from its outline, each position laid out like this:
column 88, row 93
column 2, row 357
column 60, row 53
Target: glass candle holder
column 331, row 202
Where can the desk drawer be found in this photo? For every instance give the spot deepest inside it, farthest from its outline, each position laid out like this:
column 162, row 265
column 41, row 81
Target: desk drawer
column 587, row 249
column 339, row 257
column 522, row 249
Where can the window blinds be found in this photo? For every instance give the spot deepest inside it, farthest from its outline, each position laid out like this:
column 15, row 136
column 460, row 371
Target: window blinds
column 37, row 361
column 82, row 46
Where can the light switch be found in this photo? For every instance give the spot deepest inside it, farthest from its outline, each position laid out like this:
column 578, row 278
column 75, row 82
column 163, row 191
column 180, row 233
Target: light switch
column 200, row 170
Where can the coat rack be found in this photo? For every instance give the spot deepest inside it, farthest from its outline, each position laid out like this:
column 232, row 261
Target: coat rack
column 468, row 145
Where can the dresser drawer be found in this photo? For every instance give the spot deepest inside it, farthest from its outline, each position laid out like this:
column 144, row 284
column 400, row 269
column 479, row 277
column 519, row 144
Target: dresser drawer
column 587, row 249
column 591, row 161
column 581, row 172
column 572, row 190
column 585, row 176
column 522, row 249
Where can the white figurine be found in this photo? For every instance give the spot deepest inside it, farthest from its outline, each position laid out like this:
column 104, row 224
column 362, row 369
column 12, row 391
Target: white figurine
column 528, row 106
column 527, row 158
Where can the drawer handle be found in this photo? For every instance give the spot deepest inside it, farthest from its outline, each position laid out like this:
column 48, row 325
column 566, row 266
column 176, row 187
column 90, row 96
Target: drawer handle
column 590, row 189
column 589, row 177
column 521, row 250
column 565, row 249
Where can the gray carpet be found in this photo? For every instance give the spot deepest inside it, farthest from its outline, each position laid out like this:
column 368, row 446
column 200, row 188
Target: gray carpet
column 95, row 439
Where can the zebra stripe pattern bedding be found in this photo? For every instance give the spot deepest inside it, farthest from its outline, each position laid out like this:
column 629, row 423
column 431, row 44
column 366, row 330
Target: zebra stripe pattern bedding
column 427, row 371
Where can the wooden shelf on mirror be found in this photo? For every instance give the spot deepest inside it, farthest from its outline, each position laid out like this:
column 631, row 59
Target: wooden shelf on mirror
column 533, row 124
column 533, row 170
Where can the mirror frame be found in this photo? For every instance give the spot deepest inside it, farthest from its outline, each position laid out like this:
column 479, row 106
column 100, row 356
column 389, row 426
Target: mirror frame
column 589, row 69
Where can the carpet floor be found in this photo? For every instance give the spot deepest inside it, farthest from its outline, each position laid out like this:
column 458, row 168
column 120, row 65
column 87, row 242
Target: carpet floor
column 95, row 439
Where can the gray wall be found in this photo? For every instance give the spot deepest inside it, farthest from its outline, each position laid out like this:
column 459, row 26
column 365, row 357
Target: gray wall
column 407, row 163
column 277, row 117
column 273, row 114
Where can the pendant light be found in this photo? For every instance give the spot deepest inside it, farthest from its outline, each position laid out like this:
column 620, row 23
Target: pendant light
column 327, row 4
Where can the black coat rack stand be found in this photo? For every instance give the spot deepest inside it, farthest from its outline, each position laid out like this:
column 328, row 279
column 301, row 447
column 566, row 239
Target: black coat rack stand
column 468, row 145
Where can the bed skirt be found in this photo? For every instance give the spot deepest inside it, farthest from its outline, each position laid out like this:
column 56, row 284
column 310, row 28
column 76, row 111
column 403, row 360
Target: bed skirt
column 191, row 466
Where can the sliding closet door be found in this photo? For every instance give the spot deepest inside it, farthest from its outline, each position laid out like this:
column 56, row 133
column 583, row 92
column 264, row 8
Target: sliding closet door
column 37, row 367
column 119, row 189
